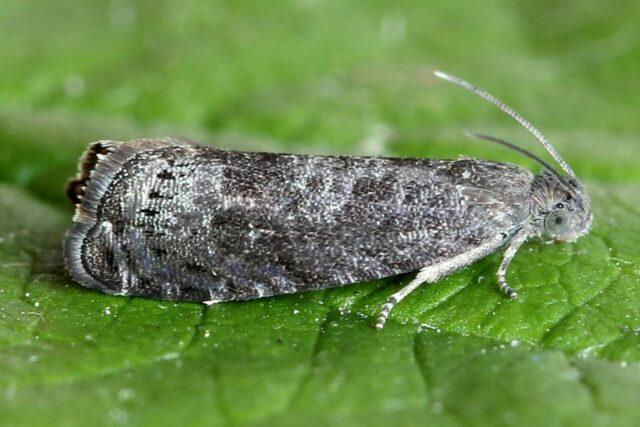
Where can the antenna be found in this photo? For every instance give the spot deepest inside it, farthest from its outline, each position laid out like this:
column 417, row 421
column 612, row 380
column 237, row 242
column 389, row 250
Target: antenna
column 517, row 117
column 521, row 151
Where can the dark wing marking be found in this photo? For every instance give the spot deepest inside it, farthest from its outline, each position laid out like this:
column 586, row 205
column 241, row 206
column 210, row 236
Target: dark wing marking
column 200, row 223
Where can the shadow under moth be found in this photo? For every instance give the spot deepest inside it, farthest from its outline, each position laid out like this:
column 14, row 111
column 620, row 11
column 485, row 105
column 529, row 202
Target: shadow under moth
column 170, row 219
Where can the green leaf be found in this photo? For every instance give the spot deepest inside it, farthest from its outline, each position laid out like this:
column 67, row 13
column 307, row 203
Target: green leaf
column 322, row 77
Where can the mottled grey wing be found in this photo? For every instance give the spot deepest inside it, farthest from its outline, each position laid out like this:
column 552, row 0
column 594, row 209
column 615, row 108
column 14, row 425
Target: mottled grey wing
column 190, row 222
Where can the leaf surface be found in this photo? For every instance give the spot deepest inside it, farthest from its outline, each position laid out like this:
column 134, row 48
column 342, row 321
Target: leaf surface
column 322, row 77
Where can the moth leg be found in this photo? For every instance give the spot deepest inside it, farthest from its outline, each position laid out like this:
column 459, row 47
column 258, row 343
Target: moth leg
column 509, row 253
column 396, row 298
column 433, row 273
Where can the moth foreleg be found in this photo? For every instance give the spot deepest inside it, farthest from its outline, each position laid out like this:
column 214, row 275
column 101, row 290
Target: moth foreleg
column 509, row 253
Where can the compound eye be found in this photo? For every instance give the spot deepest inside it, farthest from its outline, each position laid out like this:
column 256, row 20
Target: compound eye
column 557, row 222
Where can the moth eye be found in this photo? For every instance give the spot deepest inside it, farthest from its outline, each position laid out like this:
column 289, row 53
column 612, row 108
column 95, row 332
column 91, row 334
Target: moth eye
column 557, row 222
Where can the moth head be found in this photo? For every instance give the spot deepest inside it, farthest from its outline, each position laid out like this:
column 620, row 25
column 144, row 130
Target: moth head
column 561, row 207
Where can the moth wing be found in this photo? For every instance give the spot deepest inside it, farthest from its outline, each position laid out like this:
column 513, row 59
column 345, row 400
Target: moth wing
column 186, row 222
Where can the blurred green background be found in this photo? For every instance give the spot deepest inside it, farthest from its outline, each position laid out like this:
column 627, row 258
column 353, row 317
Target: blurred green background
column 323, row 77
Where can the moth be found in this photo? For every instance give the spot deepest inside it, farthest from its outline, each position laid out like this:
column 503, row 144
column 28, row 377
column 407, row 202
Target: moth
column 171, row 219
